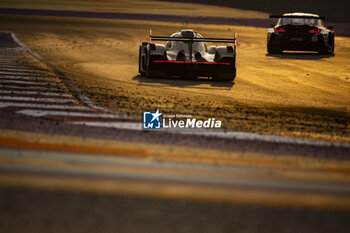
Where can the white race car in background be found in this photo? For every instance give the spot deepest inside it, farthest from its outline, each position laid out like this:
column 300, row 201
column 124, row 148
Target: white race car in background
column 185, row 54
column 300, row 32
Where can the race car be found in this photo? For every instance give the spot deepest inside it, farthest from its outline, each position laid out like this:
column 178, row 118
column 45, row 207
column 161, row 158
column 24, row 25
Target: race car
column 186, row 55
column 300, row 32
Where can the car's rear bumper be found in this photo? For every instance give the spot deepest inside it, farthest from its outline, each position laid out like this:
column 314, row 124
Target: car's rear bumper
column 296, row 43
column 191, row 69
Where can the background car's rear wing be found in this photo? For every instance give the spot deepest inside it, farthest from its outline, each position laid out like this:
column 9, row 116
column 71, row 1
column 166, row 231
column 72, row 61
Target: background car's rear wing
column 192, row 40
column 297, row 16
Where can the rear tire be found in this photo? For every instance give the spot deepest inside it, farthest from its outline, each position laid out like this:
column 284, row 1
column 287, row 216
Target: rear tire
column 274, row 50
column 140, row 62
column 331, row 43
column 325, row 49
column 225, row 77
column 148, row 72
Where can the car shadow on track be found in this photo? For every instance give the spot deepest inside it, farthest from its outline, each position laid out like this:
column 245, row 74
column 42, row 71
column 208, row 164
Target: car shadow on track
column 300, row 55
column 184, row 82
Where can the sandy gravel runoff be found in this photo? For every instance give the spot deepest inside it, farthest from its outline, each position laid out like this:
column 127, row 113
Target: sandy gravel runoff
column 303, row 95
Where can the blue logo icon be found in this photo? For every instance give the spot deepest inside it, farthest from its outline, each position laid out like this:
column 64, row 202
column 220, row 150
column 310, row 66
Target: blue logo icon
column 151, row 120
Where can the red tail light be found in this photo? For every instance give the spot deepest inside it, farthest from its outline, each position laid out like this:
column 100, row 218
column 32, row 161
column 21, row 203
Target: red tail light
column 280, row 30
column 193, row 62
column 315, row 31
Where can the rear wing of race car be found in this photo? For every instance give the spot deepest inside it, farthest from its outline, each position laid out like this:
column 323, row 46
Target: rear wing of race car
column 192, row 40
column 297, row 16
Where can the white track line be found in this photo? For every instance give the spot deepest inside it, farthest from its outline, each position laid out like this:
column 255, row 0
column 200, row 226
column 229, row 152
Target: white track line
column 39, row 100
column 28, row 82
column 43, row 106
column 35, row 93
column 16, row 67
column 12, row 77
column 117, row 125
column 55, row 89
column 220, row 134
column 39, row 113
column 13, row 69
column 22, row 73
column 12, row 63
column 266, row 138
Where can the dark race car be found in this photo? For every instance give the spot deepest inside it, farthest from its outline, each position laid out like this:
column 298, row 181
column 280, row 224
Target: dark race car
column 186, row 55
column 300, row 32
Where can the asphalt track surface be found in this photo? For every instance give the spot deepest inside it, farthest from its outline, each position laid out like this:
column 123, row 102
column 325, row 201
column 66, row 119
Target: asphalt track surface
column 57, row 175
